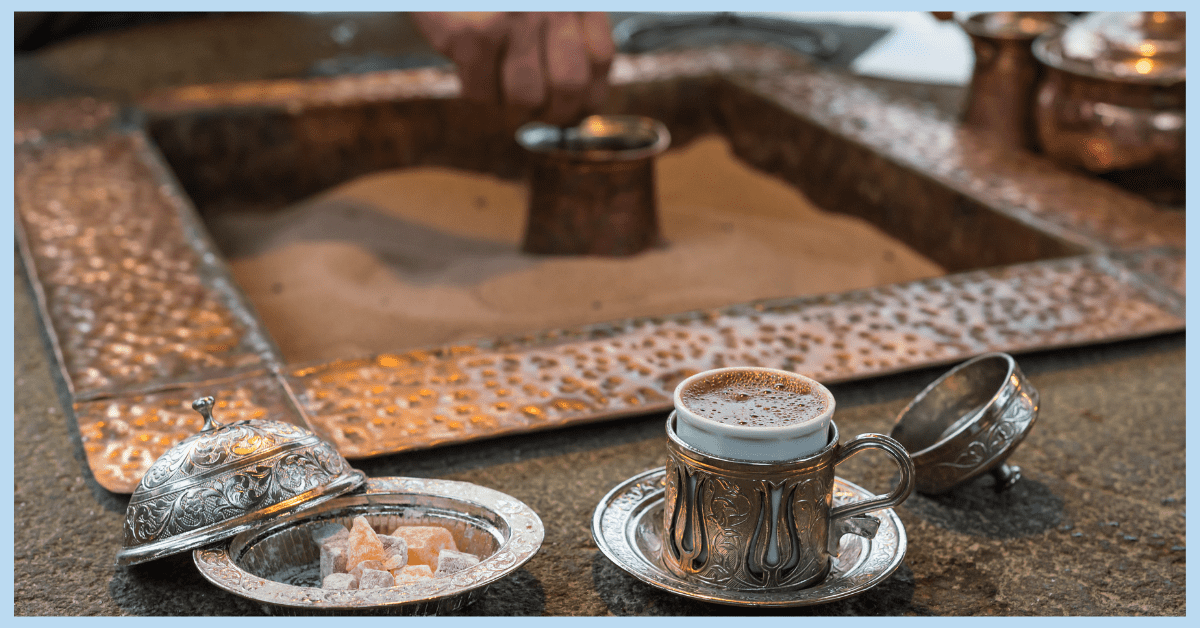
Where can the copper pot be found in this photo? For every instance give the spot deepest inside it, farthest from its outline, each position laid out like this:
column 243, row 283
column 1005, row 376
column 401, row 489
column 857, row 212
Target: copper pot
column 591, row 187
column 1112, row 101
column 1004, row 81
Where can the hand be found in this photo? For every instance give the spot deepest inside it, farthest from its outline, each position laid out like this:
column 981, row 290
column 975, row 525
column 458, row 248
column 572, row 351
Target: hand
column 554, row 66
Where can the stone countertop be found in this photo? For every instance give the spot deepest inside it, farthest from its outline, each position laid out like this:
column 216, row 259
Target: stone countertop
column 1096, row 527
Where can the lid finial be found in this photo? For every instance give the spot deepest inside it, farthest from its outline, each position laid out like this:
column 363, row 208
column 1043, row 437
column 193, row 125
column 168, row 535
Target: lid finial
column 204, row 406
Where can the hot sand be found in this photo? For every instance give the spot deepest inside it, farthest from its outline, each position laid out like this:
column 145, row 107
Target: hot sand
column 428, row 256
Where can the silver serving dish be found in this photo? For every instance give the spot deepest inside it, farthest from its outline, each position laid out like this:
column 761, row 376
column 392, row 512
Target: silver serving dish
column 277, row 564
column 968, row 422
column 227, row 479
column 243, row 496
column 628, row 527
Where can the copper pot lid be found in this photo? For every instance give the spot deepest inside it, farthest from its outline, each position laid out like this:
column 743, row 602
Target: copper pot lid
column 1134, row 47
column 226, row 479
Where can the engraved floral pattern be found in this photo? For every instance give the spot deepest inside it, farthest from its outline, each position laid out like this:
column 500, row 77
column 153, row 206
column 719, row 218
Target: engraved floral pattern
column 707, row 525
column 728, row 509
column 729, row 530
column 259, row 471
column 997, row 437
column 811, row 498
column 210, row 449
column 862, row 564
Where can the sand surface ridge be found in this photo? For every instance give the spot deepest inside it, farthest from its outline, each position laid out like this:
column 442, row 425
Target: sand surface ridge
column 427, row 256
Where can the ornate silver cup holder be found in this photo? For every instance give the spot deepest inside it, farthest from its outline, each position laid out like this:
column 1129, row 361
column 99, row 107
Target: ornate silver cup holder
column 627, row 527
column 965, row 423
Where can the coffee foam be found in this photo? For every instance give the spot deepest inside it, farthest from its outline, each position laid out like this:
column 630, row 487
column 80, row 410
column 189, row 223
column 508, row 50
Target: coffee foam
column 754, row 399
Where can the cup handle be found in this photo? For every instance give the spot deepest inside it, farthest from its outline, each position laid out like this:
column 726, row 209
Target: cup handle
column 851, row 518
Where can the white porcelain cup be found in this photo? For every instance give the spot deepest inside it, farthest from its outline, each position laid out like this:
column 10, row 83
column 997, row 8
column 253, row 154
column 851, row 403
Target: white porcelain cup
column 758, row 422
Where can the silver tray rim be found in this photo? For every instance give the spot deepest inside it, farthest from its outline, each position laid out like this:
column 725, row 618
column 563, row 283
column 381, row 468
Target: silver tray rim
column 621, row 508
column 525, row 535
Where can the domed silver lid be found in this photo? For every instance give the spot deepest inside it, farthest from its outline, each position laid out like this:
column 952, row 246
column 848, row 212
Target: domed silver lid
column 227, row 479
column 1134, row 47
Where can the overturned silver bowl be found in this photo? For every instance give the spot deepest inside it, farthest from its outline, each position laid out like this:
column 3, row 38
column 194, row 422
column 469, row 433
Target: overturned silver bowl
column 967, row 422
column 278, row 565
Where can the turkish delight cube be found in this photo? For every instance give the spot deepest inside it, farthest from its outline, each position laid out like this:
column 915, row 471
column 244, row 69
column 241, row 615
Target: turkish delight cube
column 412, row 573
column 358, row 569
column 393, row 546
column 376, row 579
column 339, row 581
column 395, row 562
column 333, row 558
column 424, row 543
column 450, row 561
column 363, row 543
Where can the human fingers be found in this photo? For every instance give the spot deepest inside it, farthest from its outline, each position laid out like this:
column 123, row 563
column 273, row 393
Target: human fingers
column 597, row 36
column 522, row 73
column 568, row 68
column 473, row 41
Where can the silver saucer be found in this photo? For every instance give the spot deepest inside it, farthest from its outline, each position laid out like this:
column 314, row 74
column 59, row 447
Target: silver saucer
column 627, row 527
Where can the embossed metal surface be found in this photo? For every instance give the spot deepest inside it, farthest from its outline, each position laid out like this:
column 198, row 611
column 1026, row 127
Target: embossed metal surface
column 627, row 527
column 137, row 302
column 424, row 398
column 516, row 529
column 1030, row 189
column 444, row 83
column 967, row 422
column 226, row 479
column 134, row 297
column 756, row 526
column 123, row 436
column 32, row 122
column 1168, row 268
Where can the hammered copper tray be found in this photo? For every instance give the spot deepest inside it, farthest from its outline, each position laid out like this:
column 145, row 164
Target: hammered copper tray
column 143, row 316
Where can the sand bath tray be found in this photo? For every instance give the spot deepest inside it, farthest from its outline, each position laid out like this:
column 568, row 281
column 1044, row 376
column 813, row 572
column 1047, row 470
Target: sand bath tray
column 143, row 314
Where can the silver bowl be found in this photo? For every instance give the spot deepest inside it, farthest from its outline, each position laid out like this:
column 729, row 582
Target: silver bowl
column 277, row 564
column 967, row 422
